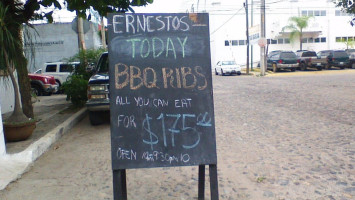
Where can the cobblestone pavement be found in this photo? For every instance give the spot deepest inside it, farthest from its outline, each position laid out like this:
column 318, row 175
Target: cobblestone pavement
column 281, row 137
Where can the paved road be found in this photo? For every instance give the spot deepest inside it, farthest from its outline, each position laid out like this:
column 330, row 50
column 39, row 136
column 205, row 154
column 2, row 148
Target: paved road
column 278, row 137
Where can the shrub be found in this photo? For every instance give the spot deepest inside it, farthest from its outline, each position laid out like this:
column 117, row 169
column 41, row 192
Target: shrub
column 76, row 90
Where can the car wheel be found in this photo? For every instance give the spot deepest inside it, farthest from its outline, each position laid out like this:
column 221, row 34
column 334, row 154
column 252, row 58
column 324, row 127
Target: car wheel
column 341, row 67
column 36, row 90
column 327, row 66
column 239, row 73
column 60, row 91
column 319, row 68
column 303, row 67
column 222, row 72
column 215, row 71
column 96, row 118
column 293, row 69
column 274, row 67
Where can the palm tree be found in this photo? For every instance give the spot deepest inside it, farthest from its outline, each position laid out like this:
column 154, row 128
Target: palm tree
column 296, row 26
column 9, row 56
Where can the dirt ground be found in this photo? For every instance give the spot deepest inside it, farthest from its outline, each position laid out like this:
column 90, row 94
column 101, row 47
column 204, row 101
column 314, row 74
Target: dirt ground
column 278, row 137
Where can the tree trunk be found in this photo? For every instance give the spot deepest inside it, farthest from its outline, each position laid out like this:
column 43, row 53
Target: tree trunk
column 103, row 36
column 301, row 38
column 25, row 89
column 81, row 34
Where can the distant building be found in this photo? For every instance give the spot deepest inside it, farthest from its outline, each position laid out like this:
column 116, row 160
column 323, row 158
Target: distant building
column 328, row 29
column 54, row 42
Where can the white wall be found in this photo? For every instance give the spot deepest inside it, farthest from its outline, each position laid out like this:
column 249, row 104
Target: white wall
column 7, row 98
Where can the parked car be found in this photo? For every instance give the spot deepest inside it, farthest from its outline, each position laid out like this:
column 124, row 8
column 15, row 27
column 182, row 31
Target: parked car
column 351, row 53
column 98, row 91
column 334, row 58
column 227, row 67
column 309, row 59
column 282, row 60
column 60, row 70
column 43, row 84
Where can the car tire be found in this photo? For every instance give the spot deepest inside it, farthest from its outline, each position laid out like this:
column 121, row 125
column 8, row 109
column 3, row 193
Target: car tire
column 222, row 72
column 60, row 91
column 215, row 72
column 303, row 67
column 37, row 90
column 319, row 68
column 274, row 67
column 96, row 118
column 327, row 66
column 239, row 73
column 293, row 69
column 341, row 67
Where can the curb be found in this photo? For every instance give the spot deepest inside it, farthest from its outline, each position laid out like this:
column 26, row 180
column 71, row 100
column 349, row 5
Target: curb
column 14, row 165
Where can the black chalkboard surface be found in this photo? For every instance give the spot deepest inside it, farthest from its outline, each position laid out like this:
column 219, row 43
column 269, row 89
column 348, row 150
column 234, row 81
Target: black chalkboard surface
column 161, row 100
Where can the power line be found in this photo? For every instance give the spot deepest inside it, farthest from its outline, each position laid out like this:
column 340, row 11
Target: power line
column 227, row 20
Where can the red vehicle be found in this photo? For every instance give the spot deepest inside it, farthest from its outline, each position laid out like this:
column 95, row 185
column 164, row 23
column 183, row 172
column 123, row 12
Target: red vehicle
column 43, row 84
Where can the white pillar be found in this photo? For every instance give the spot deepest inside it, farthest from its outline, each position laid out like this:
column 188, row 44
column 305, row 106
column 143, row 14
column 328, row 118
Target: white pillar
column 2, row 140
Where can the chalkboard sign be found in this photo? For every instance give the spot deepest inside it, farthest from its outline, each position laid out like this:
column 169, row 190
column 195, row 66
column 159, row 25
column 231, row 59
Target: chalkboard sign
column 161, row 100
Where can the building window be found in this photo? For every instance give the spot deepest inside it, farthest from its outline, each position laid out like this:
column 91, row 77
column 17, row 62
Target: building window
column 304, row 12
column 341, row 13
column 268, row 41
column 310, row 40
column 317, row 40
column 226, row 43
column 337, row 13
column 234, row 42
column 241, row 42
column 323, row 39
column 350, row 39
column 313, row 13
column 323, row 13
column 310, row 13
column 280, row 41
column 273, row 41
column 287, row 41
column 317, row 13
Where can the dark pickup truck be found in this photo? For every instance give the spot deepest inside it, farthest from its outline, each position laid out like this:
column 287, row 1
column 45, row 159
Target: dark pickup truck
column 98, row 102
column 309, row 59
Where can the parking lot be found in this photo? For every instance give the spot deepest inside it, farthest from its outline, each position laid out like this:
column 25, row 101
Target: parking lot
column 283, row 136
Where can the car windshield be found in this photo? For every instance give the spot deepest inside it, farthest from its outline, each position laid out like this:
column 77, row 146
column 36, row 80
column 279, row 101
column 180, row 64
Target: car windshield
column 339, row 54
column 288, row 55
column 228, row 63
column 309, row 54
column 102, row 66
column 351, row 50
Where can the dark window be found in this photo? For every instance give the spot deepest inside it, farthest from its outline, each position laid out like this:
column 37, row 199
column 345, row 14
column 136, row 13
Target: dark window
column 323, row 39
column 323, row 13
column 350, row 39
column 288, row 55
column 287, row 41
column 317, row 40
column 340, row 54
column 273, row 41
column 309, row 54
column 268, row 41
column 51, row 68
column 304, row 40
column 317, row 13
column 66, row 68
column 304, row 12
column 338, row 39
column 241, row 42
column 310, row 40
column 280, row 41
column 234, row 42
column 226, row 43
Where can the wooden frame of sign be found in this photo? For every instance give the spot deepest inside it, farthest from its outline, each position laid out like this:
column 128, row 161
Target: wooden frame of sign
column 161, row 99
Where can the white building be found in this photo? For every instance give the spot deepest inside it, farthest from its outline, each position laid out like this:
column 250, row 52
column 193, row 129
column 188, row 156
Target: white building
column 328, row 25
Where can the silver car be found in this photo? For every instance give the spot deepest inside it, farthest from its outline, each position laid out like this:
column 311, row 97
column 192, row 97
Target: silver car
column 227, row 67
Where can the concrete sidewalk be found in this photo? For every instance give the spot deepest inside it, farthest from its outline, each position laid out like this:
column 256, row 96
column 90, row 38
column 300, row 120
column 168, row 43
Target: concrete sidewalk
column 55, row 117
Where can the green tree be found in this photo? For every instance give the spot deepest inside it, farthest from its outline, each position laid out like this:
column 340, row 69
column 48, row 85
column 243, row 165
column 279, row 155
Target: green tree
column 347, row 5
column 24, row 11
column 296, row 26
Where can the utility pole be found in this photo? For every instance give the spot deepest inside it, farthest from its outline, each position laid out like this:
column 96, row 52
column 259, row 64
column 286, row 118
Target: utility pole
column 103, row 36
column 251, row 24
column 262, row 48
column 247, row 32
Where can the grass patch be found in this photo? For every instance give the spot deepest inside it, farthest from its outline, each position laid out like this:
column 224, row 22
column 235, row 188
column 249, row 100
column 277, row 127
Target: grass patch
column 260, row 179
